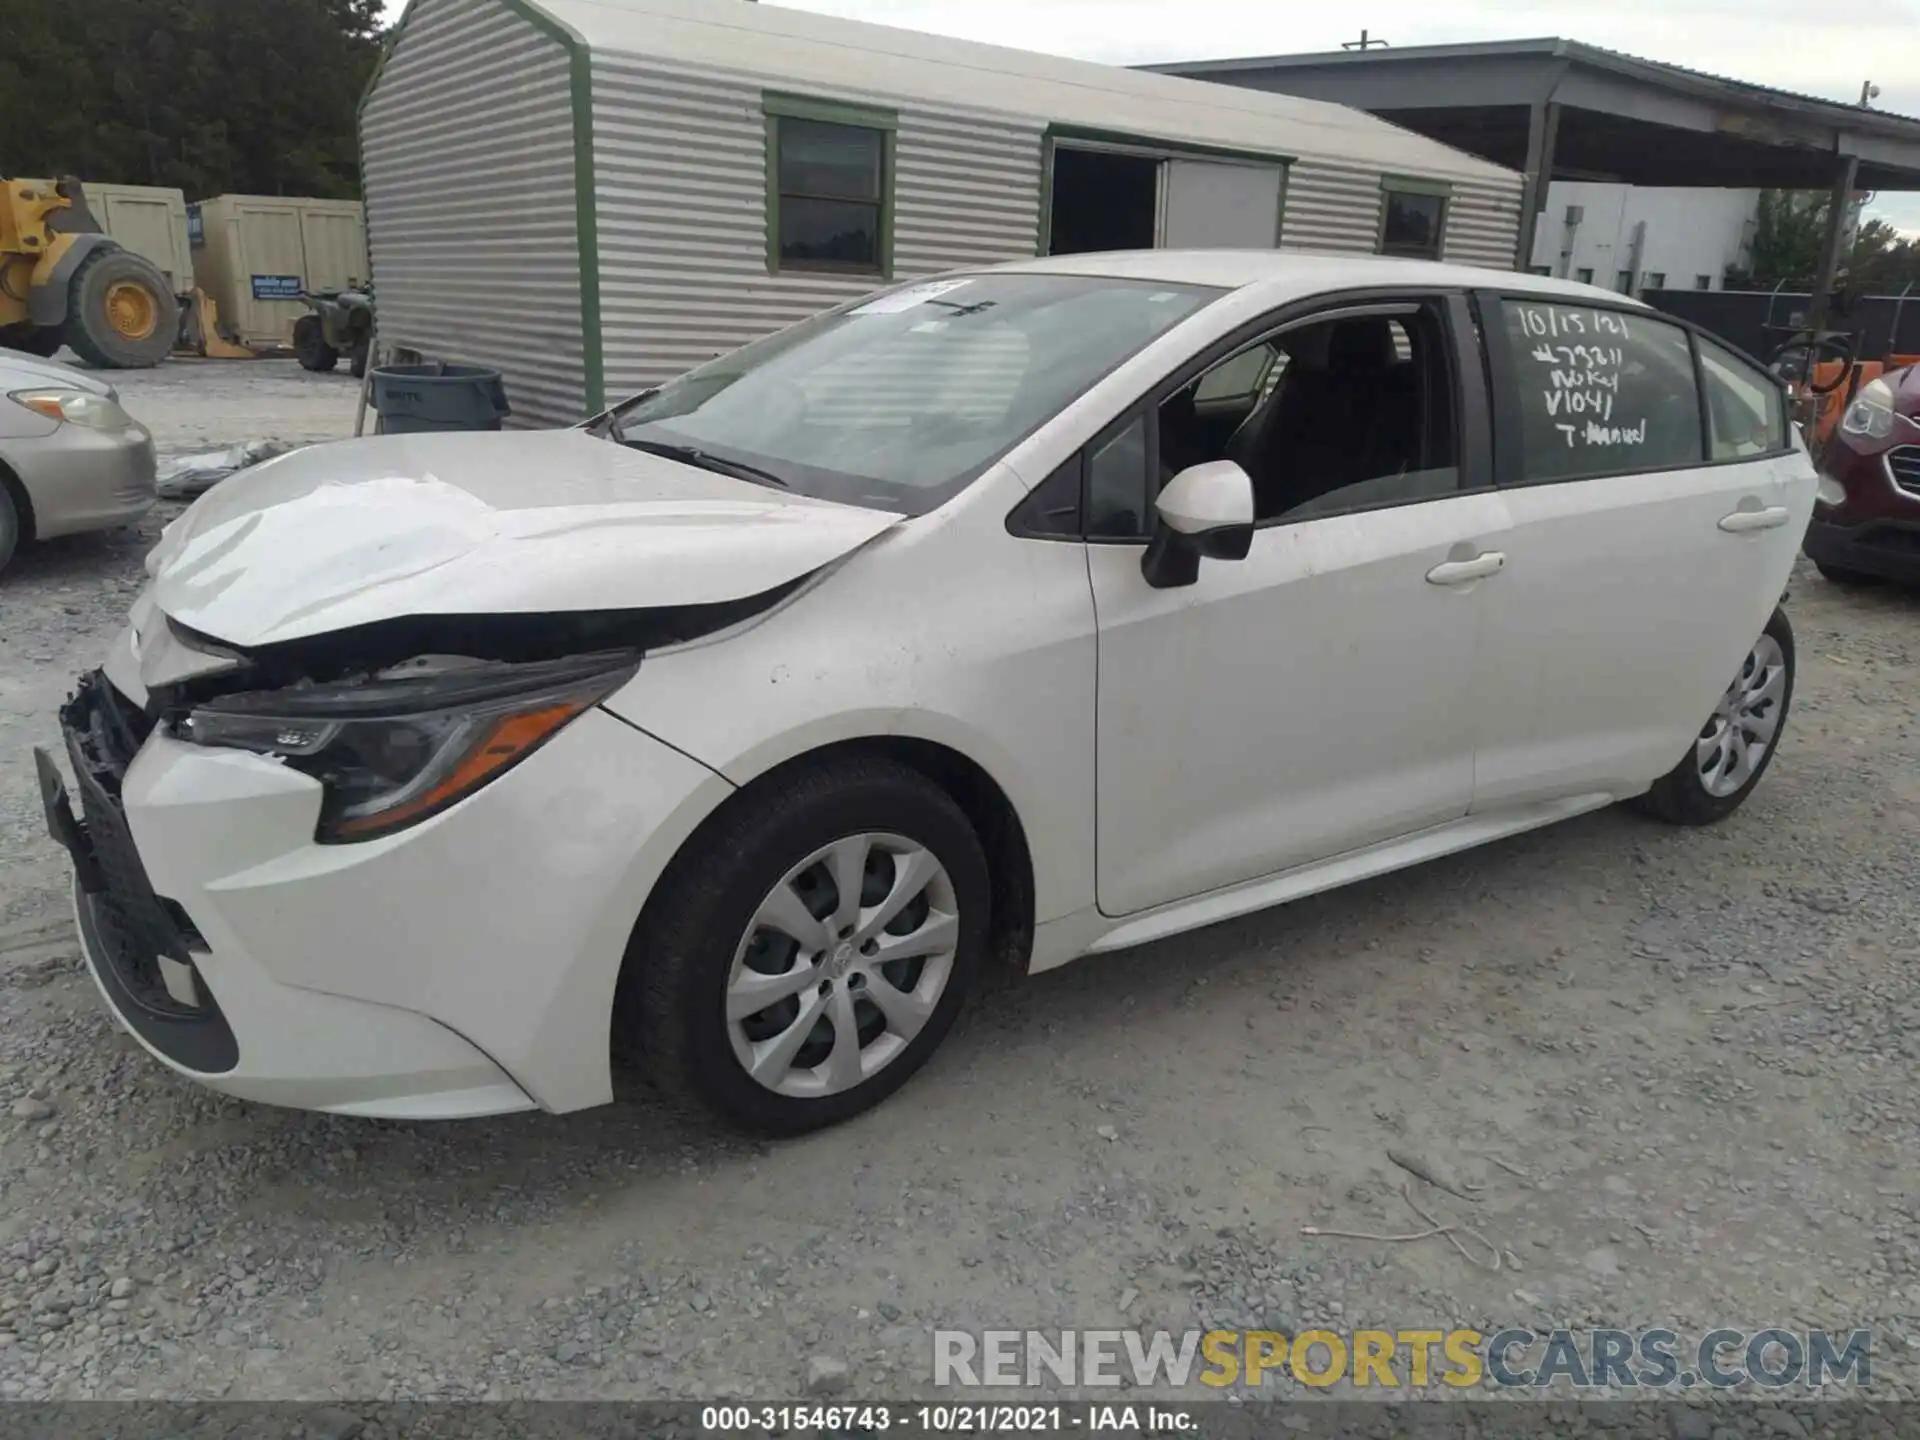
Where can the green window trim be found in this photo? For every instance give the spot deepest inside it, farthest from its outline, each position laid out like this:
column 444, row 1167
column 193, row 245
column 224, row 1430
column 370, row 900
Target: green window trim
column 1166, row 149
column 777, row 105
column 1417, row 185
column 1391, row 185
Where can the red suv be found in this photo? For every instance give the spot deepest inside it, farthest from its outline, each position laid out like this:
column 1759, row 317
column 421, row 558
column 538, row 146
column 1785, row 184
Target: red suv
column 1866, row 520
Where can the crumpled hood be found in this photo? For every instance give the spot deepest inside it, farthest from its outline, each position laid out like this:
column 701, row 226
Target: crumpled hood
column 496, row 523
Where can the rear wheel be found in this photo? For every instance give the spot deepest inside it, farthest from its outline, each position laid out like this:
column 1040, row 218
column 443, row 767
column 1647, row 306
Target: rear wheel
column 121, row 314
column 811, row 948
column 357, row 364
column 310, row 344
column 1736, row 744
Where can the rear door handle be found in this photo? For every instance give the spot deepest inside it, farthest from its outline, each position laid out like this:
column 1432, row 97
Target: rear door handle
column 1742, row 521
column 1459, row 572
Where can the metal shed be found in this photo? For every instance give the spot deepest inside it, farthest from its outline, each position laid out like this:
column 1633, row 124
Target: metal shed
column 593, row 195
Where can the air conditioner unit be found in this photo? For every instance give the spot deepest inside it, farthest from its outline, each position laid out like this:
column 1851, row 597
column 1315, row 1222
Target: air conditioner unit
column 1575, row 214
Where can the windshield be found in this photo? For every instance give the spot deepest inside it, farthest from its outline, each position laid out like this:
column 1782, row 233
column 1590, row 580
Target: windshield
column 898, row 401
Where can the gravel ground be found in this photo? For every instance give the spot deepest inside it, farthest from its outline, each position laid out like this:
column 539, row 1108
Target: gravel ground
column 1680, row 1065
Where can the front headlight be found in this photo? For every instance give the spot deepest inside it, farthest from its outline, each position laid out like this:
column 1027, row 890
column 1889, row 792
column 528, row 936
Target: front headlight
column 75, row 407
column 400, row 746
column 1871, row 414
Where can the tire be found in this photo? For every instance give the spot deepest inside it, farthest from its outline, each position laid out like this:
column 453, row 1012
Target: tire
column 42, row 340
column 699, row 943
column 1840, row 575
column 357, row 362
column 120, row 313
column 1684, row 795
column 9, row 528
column 310, row 344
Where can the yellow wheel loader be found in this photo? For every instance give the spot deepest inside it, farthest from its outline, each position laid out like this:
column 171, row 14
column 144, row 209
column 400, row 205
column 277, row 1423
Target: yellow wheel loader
column 64, row 282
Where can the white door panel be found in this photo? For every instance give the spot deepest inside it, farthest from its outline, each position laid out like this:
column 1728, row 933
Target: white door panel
column 1307, row 700
column 1211, row 205
column 1622, row 612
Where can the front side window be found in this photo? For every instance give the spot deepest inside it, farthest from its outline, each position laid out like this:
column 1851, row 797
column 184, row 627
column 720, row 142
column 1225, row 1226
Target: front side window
column 1746, row 414
column 1413, row 218
column 830, row 187
column 1598, row 392
column 898, row 401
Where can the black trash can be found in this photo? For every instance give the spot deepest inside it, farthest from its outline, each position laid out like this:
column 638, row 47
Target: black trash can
column 439, row 396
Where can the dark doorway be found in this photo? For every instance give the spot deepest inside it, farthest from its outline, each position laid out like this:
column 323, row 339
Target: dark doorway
column 1103, row 201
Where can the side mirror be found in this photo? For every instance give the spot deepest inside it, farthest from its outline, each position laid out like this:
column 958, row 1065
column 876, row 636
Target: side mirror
column 1205, row 510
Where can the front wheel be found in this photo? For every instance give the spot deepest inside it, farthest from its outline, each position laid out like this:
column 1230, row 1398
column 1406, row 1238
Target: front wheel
column 811, row 948
column 310, row 345
column 1736, row 744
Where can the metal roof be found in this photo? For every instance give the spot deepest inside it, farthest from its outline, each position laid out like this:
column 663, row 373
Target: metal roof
column 1660, row 71
column 1643, row 121
column 793, row 48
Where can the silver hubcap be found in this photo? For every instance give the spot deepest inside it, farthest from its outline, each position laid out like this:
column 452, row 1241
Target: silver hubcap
column 843, row 964
column 1743, row 725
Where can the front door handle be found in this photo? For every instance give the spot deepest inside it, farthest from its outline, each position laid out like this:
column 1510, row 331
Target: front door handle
column 1742, row 521
column 1459, row 572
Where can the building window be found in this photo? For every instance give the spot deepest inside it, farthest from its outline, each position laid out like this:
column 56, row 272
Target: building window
column 829, row 186
column 1540, row 270
column 1584, row 275
column 1703, row 282
column 1623, row 281
column 1413, row 217
column 1656, row 280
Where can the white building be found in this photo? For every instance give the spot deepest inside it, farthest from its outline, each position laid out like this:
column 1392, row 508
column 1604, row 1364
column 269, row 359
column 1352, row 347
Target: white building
column 1632, row 239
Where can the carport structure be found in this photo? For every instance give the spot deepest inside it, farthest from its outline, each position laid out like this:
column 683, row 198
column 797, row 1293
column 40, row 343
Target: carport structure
column 1561, row 110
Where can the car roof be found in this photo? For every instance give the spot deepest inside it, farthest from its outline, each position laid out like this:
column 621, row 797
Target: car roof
column 1289, row 274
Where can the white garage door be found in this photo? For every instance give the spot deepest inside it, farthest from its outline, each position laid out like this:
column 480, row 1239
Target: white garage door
column 1216, row 205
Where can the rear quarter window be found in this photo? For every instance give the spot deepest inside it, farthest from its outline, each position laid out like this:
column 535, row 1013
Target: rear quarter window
column 1598, row 392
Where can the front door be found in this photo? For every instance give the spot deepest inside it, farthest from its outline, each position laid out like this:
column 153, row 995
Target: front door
column 1314, row 697
column 1646, row 552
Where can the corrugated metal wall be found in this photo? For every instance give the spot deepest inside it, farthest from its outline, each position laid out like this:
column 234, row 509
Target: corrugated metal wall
column 1336, row 208
column 1483, row 224
column 467, row 142
column 681, row 181
column 1331, row 207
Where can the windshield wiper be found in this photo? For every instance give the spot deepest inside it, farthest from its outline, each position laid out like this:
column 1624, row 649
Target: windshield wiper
column 693, row 455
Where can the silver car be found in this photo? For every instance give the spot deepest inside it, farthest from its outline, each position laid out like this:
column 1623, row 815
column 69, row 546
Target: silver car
column 70, row 458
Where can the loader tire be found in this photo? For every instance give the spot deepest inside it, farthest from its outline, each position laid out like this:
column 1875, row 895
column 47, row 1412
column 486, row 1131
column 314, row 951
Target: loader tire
column 121, row 315
column 310, row 345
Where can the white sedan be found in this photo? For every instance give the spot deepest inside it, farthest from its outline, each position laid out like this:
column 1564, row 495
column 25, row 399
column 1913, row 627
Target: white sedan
column 1013, row 616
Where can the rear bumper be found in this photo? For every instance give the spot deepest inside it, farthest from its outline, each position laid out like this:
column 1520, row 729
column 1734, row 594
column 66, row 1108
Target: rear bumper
column 1889, row 549
column 79, row 479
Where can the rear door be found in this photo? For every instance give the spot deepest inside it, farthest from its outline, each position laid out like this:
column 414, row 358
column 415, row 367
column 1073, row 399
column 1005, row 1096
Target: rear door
column 1648, row 544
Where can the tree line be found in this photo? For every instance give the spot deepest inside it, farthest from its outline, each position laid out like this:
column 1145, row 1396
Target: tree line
column 1789, row 227
column 211, row 96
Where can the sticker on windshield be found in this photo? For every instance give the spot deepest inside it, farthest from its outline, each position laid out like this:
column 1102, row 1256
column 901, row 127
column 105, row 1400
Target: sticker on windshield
column 907, row 299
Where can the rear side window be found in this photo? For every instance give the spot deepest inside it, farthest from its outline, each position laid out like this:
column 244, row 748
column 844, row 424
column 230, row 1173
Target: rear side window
column 1746, row 413
column 1598, row 392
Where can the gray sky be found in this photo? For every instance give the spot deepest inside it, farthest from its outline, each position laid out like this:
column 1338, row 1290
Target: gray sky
column 1818, row 47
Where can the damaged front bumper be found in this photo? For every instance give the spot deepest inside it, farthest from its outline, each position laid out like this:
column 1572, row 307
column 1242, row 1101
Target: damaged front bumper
column 463, row 966
column 210, row 1012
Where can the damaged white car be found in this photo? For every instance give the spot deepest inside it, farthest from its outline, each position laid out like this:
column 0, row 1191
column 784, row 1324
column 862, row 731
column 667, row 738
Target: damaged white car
column 1032, row 612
